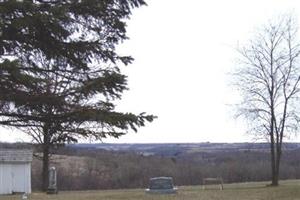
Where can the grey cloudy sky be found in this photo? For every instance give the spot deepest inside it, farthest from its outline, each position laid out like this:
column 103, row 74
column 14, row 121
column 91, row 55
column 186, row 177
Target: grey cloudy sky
column 183, row 53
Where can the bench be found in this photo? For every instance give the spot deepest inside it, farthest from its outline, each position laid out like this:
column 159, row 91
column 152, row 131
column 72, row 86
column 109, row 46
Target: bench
column 218, row 180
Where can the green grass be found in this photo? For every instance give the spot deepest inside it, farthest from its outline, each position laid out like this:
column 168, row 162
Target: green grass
column 288, row 190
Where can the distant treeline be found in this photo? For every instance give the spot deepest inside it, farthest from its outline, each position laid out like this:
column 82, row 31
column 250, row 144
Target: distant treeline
column 92, row 168
column 86, row 169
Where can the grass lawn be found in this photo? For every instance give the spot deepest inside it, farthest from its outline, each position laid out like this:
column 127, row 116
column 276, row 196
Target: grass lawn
column 288, row 190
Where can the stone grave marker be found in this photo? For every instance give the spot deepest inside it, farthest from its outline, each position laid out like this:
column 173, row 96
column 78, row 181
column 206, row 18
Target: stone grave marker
column 52, row 187
column 161, row 185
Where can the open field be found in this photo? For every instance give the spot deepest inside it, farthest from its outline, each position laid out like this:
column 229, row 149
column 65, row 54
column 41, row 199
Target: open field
column 288, row 190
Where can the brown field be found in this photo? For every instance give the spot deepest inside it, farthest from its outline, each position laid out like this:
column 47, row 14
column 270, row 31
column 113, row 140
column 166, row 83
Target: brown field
column 288, row 190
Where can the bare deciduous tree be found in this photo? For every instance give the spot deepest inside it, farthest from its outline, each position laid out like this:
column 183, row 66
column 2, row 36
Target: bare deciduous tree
column 268, row 79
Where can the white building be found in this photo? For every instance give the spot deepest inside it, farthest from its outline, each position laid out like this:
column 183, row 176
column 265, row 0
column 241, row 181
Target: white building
column 15, row 171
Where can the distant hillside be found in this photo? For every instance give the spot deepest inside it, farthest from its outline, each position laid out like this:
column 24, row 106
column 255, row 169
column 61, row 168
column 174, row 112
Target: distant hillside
column 174, row 149
column 115, row 166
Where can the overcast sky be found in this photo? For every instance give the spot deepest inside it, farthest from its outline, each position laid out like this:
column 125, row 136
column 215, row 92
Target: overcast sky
column 183, row 53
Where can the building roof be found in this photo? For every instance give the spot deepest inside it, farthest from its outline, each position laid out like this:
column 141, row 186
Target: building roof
column 15, row 155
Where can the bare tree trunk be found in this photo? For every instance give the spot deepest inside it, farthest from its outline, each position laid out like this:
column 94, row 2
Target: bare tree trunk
column 278, row 158
column 272, row 131
column 273, row 163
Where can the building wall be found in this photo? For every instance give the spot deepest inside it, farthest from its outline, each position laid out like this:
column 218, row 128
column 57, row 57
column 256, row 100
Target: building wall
column 15, row 177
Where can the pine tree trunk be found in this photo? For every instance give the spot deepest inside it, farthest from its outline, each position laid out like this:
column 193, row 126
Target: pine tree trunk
column 46, row 149
column 45, row 167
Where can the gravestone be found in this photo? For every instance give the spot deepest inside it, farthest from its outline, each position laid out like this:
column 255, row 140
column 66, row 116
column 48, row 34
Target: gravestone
column 161, row 185
column 52, row 187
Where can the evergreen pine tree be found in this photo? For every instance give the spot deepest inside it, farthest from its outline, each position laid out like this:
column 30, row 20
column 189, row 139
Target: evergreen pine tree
column 60, row 73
